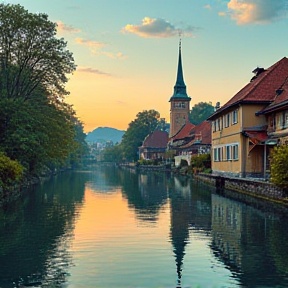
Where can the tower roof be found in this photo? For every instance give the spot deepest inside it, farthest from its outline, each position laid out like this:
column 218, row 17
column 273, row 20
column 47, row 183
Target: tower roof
column 180, row 87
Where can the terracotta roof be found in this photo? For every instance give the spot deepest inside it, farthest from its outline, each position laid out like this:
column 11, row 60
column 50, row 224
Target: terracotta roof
column 259, row 136
column 203, row 129
column 261, row 88
column 280, row 99
column 201, row 133
column 157, row 139
column 183, row 132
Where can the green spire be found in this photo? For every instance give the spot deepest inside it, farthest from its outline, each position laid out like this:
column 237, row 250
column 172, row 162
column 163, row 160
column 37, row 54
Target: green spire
column 180, row 87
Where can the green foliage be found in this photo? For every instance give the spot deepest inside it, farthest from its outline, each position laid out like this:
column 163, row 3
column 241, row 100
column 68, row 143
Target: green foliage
column 201, row 162
column 37, row 127
column 10, row 172
column 31, row 55
column 148, row 161
column 145, row 123
column 279, row 166
column 113, row 154
column 200, row 112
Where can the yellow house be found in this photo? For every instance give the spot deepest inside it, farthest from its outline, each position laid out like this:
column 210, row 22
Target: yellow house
column 239, row 131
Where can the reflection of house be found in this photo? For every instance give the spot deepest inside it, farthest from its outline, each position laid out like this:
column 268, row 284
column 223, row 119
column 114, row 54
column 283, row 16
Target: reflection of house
column 154, row 145
column 239, row 130
column 192, row 140
column 227, row 227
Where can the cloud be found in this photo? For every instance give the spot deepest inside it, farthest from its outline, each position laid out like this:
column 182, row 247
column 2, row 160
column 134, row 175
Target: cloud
column 208, row 7
column 158, row 28
column 114, row 56
column 63, row 28
column 221, row 13
column 94, row 45
column 90, row 70
column 257, row 11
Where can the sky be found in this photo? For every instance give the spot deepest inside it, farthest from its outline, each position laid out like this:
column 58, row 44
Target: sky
column 126, row 51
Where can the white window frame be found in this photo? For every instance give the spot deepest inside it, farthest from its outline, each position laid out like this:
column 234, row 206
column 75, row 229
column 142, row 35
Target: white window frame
column 235, row 117
column 227, row 120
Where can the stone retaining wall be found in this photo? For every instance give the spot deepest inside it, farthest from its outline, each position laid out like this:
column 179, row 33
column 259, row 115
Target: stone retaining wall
column 250, row 186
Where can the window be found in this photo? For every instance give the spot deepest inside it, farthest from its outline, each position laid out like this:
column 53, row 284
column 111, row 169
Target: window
column 235, row 152
column 218, row 124
column 218, row 154
column 279, row 121
column 286, row 119
column 235, row 116
column 228, row 152
column 214, row 126
column 227, row 120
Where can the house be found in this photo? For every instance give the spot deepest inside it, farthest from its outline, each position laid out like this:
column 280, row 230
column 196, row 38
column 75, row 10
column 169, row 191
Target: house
column 277, row 116
column 191, row 140
column 240, row 130
column 154, row 145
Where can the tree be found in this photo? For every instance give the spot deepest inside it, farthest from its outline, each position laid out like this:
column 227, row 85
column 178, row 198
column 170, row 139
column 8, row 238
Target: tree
column 145, row 123
column 31, row 55
column 279, row 166
column 10, row 172
column 200, row 112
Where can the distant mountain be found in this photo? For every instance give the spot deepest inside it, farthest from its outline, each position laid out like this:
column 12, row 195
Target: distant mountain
column 101, row 134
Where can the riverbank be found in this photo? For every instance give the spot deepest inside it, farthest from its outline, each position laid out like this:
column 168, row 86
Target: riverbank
column 20, row 189
column 247, row 186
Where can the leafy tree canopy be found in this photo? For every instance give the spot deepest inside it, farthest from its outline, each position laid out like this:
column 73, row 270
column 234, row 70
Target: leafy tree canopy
column 200, row 112
column 31, row 55
column 146, row 122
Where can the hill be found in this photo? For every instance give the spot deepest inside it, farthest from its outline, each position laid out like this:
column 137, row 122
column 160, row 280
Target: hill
column 101, row 134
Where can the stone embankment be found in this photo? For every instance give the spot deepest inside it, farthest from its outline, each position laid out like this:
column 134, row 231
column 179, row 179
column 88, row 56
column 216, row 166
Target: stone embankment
column 248, row 186
column 260, row 189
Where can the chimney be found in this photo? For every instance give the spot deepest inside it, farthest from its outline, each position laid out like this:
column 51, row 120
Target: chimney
column 217, row 105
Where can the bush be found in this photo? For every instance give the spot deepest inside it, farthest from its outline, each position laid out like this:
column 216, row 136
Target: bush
column 11, row 172
column 201, row 162
column 279, row 166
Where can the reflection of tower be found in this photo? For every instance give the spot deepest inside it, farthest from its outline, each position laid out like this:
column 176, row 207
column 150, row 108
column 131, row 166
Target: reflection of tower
column 179, row 111
column 180, row 218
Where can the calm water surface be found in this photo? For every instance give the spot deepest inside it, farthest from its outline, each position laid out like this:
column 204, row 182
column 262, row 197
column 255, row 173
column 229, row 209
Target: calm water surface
column 111, row 227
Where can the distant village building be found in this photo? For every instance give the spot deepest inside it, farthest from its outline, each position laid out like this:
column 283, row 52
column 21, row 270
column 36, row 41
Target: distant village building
column 154, row 145
column 251, row 123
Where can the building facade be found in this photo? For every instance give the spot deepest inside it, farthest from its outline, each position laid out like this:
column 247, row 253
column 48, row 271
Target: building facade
column 240, row 134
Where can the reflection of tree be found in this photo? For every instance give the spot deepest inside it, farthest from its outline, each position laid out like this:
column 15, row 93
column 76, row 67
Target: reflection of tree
column 33, row 232
column 145, row 192
column 104, row 179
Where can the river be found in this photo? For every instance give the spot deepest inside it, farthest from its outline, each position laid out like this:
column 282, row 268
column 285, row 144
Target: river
column 111, row 227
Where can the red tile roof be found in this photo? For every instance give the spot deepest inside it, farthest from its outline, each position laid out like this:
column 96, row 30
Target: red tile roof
column 183, row 132
column 203, row 129
column 262, row 88
column 259, row 136
column 202, row 133
column 281, row 99
column 157, row 139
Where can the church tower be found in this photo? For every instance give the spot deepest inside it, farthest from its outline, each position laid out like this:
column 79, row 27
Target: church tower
column 180, row 101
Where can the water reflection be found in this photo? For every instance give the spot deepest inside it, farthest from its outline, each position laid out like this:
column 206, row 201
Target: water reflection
column 210, row 240
column 251, row 242
column 35, row 232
